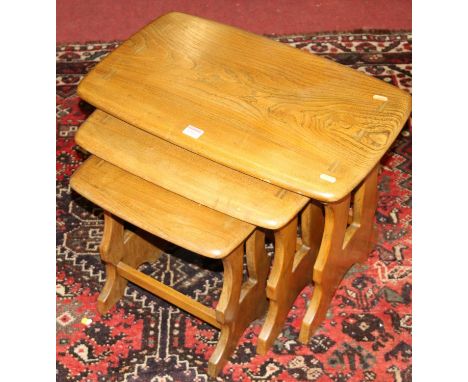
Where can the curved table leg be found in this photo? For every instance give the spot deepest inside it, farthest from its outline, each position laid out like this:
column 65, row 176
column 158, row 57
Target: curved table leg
column 112, row 291
column 341, row 247
column 117, row 245
column 239, row 306
column 291, row 270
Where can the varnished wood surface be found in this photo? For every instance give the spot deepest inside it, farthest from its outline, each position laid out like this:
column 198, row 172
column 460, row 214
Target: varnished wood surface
column 188, row 174
column 291, row 270
column 341, row 247
column 156, row 210
column 121, row 245
column 240, row 302
column 271, row 111
column 169, row 294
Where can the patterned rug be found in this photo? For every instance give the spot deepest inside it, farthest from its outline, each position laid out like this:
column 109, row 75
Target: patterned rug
column 367, row 335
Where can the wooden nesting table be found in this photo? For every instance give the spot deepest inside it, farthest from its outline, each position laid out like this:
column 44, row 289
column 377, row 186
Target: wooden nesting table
column 258, row 131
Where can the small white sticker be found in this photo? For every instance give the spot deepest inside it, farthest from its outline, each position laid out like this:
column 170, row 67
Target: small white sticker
column 378, row 97
column 328, row 178
column 193, row 131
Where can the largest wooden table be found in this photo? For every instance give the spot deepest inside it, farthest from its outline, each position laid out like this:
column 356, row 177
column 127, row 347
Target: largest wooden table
column 290, row 118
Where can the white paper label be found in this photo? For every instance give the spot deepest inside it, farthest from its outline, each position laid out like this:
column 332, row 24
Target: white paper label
column 378, row 97
column 328, row 178
column 193, row 131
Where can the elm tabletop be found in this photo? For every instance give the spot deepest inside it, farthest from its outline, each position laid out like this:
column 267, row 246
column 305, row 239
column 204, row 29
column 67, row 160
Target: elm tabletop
column 296, row 120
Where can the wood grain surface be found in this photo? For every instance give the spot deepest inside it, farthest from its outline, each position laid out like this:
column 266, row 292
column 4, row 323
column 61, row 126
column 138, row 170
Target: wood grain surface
column 296, row 120
column 158, row 211
column 188, row 174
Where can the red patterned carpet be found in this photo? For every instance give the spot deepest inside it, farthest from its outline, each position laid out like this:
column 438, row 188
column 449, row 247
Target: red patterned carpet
column 367, row 336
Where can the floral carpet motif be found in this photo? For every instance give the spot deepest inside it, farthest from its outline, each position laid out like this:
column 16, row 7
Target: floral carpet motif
column 367, row 333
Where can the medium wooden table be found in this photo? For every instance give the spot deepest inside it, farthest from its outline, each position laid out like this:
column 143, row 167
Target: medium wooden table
column 292, row 119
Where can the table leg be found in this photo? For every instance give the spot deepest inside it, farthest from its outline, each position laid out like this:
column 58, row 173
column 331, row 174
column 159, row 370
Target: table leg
column 117, row 245
column 291, row 270
column 240, row 303
column 341, row 247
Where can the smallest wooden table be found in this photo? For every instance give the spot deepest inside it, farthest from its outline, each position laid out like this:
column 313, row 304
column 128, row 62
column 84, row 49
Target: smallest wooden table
column 128, row 198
